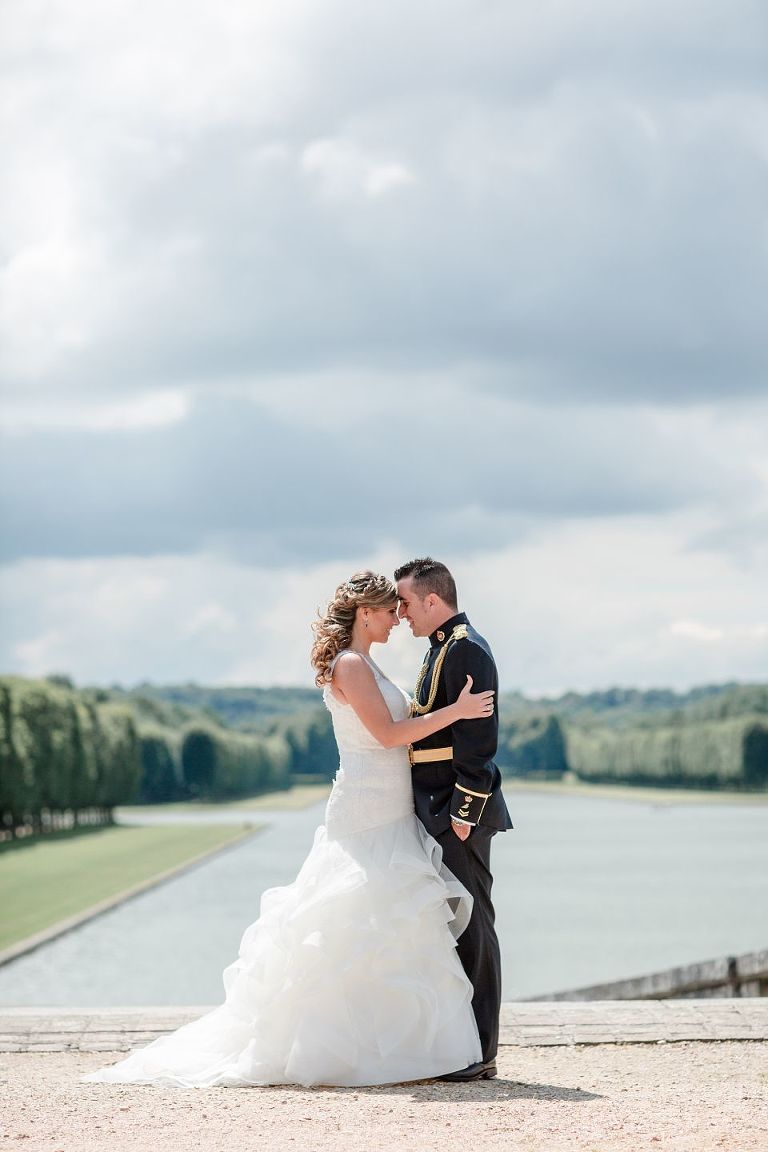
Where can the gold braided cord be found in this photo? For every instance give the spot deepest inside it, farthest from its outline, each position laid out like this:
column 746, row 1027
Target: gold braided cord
column 459, row 633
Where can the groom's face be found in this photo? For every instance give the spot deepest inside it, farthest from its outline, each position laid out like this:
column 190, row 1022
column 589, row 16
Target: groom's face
column 412, row 609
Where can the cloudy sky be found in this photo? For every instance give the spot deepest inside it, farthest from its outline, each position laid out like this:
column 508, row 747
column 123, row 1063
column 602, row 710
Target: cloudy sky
column 288, row 288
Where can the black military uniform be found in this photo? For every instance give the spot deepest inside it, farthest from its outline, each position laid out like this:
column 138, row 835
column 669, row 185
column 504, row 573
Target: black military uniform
column 454, row 776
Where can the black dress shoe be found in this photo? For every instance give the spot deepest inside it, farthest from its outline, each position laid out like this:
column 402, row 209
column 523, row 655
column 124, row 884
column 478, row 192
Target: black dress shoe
column 478, row 1071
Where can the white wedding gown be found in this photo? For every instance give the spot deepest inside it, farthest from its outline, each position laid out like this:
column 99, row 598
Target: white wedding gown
column 350, row 975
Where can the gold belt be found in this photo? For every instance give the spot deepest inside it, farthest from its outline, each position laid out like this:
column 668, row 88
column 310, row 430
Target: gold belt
column 427, row 755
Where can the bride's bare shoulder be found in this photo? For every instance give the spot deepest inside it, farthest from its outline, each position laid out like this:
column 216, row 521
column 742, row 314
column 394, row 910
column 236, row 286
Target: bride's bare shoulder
column 351, row 663
column 351, row 670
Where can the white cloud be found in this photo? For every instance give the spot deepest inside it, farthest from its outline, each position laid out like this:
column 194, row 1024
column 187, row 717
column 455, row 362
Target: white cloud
column 384, row 178
column 212, row 618
column 345, row 168
column 579, row 605
column 44, row 305
column 132, row 413
column 274, row 188
column 281, row 282
column 592, row 603
column 755, row 634
column 695, row 630
column 42, row 654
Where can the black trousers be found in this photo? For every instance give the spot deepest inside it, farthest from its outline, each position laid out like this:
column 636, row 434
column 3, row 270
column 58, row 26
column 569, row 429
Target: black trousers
column 478, row 946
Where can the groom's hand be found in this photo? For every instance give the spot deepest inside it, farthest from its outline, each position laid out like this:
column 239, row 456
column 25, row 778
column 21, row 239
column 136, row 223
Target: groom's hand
column 461, row 830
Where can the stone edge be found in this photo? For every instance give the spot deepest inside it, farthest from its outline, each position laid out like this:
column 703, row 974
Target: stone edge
column 524, row 1024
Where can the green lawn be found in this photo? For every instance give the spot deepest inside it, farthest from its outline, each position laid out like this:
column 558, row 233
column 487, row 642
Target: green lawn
column 47, row 880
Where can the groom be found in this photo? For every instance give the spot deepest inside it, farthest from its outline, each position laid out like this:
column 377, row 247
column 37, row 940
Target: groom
column 456, row 785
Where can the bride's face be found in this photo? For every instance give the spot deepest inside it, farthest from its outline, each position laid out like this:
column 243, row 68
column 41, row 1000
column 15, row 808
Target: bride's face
column 381, row 621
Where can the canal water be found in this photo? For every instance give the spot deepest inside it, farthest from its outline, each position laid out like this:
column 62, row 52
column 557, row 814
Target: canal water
column 586, row 890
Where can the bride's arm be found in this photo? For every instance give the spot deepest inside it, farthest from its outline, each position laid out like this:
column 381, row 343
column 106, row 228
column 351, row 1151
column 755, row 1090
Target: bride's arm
column 353, row 676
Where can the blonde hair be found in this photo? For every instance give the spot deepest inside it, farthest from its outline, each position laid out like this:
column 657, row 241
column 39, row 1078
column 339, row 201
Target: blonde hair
column 333, row 628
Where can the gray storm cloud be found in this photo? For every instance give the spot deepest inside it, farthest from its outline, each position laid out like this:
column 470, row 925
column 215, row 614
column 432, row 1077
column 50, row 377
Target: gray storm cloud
column 287, row 287
column 571, row 196
column 466, row 469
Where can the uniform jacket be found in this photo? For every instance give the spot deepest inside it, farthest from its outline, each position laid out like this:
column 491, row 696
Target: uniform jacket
column 474, row 742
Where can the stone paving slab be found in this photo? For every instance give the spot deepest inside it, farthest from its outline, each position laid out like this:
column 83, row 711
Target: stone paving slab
column 633, row 1021
column 525, row 1024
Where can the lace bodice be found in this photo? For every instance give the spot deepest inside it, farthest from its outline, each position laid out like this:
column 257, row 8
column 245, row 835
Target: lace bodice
column 373, row 783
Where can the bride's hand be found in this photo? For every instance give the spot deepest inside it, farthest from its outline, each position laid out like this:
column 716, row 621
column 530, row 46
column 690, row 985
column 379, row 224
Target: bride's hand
column 475, row 705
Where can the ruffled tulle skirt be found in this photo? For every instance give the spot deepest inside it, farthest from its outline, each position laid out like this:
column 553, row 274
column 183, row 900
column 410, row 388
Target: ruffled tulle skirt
column 350, row 976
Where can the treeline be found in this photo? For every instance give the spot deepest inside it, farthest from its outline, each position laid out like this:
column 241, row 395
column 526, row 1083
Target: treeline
column 220, row 765
column 179, row 738
column 678, row 752
column 64, row 758
column 616, row 706
column 69, row 757
column 594, row 735
column 295, row 716
column 712, row 737
column 249, row 709
column 532, row 745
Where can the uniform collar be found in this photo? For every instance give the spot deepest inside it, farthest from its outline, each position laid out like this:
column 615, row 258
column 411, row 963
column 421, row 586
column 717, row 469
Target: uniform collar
column 441, row 634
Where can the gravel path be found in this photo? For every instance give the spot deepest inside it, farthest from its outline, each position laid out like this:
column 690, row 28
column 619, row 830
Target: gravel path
column 684, row 1097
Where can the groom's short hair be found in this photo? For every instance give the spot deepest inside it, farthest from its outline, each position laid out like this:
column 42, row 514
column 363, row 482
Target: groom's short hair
column 430, row 575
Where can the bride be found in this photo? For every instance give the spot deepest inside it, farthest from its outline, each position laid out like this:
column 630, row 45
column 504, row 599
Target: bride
column 350, row 975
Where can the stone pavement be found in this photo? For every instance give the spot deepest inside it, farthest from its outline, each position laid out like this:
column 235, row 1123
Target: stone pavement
column 526, row 1024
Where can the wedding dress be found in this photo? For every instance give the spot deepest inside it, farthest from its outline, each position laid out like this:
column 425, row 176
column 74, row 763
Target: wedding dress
column 350, row 976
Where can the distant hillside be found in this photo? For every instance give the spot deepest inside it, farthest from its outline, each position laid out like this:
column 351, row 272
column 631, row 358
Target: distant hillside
column 249, row 709
column 620, row 705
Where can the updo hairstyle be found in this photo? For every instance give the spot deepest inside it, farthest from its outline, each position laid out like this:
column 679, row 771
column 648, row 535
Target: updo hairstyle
column 333, row 628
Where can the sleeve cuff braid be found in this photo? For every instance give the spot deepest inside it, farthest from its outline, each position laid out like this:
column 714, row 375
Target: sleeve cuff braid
column 466, row 805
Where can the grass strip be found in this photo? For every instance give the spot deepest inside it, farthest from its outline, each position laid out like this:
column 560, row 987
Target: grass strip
column 45, row 880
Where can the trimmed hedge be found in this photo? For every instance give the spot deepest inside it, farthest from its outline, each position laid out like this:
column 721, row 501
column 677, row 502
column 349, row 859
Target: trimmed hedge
column 309, row 736
column 69, row 757
column 64, row 757
column 161, row 774
column 532, row 746
column 218, row 764
column 728, row 753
